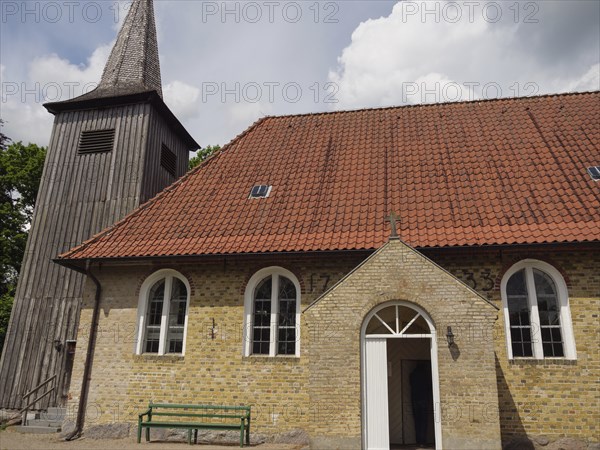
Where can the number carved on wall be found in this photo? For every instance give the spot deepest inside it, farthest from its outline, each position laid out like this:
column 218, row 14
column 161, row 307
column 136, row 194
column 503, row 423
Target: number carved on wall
column 319, row 283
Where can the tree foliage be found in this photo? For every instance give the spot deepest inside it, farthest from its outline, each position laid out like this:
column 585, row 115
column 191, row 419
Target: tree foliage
column 20, row 173
column 203, row 154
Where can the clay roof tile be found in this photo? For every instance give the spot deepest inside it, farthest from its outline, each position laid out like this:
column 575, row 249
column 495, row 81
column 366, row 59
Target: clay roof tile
column 471, row 173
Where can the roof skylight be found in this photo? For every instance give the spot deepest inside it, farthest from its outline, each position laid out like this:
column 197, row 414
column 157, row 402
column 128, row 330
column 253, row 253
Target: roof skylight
column 260, row 191
column 594, row 172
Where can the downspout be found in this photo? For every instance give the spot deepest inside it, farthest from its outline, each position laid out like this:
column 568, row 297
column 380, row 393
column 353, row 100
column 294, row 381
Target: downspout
column 87, row 370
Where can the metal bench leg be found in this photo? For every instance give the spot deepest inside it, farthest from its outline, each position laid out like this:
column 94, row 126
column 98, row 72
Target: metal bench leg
column 242, row 434
column 248, row 433
column 147, row 434
column 196, row 436
column 139, row 432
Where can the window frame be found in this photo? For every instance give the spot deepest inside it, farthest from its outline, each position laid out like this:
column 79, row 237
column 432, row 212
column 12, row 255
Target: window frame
column 143, row 301
column 275, row 272
column 566, row 325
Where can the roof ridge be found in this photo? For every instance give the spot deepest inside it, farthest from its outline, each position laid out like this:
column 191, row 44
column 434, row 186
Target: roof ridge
column 432, row 105
column 158, row 196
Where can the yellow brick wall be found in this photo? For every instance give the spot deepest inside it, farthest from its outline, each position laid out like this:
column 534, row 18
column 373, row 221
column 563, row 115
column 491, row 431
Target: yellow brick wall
column 467, row 372
column 554, row 398
column 212, row 371
column 557, row 399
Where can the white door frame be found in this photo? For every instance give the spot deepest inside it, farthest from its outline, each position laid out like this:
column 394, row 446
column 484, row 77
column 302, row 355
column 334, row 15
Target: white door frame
column 399, row 334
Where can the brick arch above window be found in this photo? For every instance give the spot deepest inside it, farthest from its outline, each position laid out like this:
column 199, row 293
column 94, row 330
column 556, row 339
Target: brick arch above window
column 516, row 259
column 151, row 271
column 296, row 272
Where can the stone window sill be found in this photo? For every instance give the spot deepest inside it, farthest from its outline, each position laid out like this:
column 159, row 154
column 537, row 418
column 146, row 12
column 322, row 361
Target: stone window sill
column 155, row 357
column 543, row 362
column 275, row 359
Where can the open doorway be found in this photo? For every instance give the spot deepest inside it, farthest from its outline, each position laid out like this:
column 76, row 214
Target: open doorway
column 400, row 378
column 410, row 394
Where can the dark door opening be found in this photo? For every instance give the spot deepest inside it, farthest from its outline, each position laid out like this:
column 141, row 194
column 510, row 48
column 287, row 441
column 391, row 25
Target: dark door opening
column 69, row 359
column 410, row 393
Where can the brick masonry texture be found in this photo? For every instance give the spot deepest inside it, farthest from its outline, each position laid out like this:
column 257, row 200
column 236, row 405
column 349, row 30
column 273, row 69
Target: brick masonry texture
column 555, row 398
column 212, row 371
column 396, row 272
column 320, row 391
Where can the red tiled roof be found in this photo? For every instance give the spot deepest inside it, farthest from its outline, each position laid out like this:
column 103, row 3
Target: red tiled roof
column 509, row 171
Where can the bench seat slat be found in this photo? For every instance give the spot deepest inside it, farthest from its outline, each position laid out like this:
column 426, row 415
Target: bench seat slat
column 190, row 425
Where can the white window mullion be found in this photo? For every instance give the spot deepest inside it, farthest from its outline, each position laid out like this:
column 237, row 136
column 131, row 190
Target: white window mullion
column 164, row 322
column 274, row 315
column 534, row 316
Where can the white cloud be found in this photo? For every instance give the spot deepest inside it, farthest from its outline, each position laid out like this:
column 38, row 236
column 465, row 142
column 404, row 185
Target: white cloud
column 183, row 99
column 53, row 78
column 49, row 78
column 245, row 113
column 415, row 58
column 589, row 81
column 385, row 60
column 52, row 69
column 26, row 122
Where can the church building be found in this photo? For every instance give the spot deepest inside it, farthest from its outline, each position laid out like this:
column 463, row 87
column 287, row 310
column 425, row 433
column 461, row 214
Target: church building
column 375, row 278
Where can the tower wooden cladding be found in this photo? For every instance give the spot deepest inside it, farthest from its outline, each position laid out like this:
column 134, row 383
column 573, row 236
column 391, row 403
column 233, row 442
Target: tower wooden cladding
column 111, row 150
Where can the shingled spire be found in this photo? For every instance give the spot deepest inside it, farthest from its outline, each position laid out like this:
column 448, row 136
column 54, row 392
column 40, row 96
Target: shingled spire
column 133, row 65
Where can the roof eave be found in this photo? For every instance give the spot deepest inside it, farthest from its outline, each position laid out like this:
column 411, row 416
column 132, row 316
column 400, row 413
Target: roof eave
column 70, row 262
column 151, row 97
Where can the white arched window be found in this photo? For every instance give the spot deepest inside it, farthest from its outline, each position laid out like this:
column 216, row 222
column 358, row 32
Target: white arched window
column 536, row 312
column 163, row 313
column 272, row 313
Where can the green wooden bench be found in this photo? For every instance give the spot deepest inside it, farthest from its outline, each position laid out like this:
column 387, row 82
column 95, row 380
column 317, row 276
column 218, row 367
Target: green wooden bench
column 195, row 417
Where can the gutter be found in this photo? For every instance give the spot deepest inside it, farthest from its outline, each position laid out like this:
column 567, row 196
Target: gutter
column 71, row 263
column 87, row 371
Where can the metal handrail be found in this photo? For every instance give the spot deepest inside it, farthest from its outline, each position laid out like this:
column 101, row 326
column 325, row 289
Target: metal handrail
column 25, row 410
column 39, row 386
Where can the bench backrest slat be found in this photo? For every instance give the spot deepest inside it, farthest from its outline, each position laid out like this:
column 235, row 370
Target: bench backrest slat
column 177, row 406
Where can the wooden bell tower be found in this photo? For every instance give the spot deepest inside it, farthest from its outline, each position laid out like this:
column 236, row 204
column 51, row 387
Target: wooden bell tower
column 111, row 150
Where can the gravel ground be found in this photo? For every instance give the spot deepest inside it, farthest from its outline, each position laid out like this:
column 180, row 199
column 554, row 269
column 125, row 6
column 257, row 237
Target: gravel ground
column 10, row 439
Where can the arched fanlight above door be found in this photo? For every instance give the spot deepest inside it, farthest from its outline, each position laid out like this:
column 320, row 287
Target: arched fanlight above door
column 398, row 321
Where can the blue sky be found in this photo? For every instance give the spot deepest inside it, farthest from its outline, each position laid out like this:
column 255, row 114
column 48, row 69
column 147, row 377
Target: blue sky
column 222, row 71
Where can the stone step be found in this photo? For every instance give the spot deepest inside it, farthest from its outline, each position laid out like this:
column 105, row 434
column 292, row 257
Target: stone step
column 55, row 414
column 38, row 430
column 56, row 411
column 45, row 423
